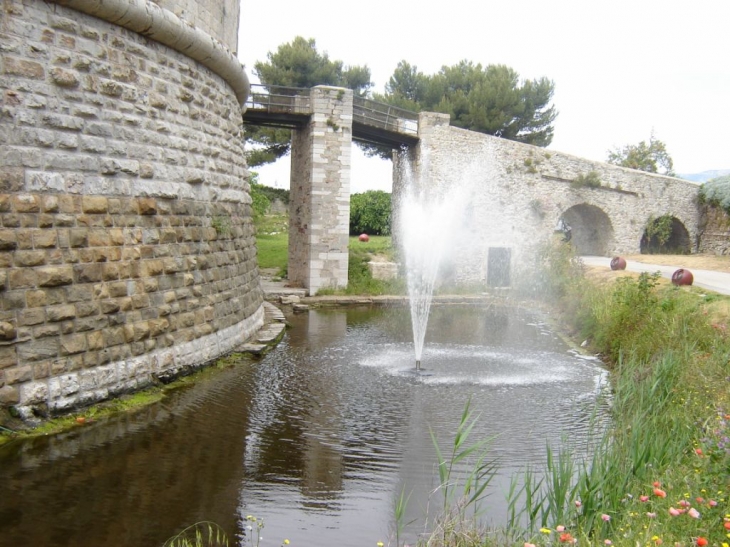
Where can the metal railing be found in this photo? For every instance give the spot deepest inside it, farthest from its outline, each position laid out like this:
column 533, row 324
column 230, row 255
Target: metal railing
column 279, row 99
column 296, row 100
column 384, row 116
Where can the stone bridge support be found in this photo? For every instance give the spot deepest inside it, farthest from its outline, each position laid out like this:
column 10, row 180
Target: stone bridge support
column 319, row 215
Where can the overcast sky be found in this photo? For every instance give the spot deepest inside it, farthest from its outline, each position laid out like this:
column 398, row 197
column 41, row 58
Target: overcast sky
column 621, row 69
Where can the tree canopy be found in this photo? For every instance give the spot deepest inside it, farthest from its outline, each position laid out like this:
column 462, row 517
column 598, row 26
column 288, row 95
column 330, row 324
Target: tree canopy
column 651, row 157
column 490, row 99
column 298, row 64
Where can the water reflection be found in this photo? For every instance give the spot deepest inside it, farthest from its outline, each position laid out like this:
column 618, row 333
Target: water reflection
column 318, row 438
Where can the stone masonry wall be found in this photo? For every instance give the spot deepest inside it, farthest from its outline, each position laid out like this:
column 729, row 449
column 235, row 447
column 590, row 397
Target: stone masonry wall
column 126, row 243
column 519, row 192
column 319, row 218
column 715, row 227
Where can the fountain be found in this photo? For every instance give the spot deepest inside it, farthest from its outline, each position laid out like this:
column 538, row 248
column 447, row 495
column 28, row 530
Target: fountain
column 430, row 224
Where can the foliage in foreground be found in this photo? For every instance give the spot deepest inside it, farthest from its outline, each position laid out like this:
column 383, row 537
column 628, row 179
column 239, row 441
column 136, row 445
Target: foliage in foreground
column 659, row 473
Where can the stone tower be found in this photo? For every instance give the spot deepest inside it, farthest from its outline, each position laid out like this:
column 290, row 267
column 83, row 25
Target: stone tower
column 127, row 252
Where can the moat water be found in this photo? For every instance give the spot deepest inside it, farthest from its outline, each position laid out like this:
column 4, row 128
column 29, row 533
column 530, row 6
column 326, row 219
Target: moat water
column 318, row 438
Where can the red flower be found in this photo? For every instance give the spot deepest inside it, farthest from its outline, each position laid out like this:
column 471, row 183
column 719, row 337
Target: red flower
column 659, row 492
column 701, row 542
column 726, row 524
column 567, row 538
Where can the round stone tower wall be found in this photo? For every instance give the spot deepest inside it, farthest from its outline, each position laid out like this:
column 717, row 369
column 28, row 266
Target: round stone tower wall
column 127, row 248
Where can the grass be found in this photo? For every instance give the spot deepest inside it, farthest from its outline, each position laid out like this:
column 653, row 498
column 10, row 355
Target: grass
column 272, row 242
column 660, row 472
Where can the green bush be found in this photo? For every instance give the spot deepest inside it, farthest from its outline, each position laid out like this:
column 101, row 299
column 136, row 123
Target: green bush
column 717, row 192
column 370, row 213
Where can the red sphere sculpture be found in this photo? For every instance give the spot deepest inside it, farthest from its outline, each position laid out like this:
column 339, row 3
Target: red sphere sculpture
column 618, row 263
column 364, row 238
column 682, row 277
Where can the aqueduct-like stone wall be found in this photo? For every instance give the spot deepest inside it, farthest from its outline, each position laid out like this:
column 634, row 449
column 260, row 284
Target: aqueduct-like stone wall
column 518, row 193
column 126, row 241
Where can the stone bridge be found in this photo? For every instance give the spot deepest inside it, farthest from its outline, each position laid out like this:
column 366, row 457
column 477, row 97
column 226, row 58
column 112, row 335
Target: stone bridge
column 519, row 194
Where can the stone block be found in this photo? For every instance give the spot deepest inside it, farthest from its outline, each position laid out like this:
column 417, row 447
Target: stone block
column 45, row 239
column 19, row 279
column 61, row 313
column 8, row 240
column 9, row 395
column 54, row 276
column 94, row 204
column 33, row 393
column 25, row 259
column 23, row 68
column 36, row 299
column 7, row 331
column 88, row 273
column 73, row 344
column 12, row 179
column 26, row 203
column 18, row 375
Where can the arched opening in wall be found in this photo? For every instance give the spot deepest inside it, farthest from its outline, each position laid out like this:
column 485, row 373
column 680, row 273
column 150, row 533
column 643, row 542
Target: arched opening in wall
column 588, row 229
column 665, row 235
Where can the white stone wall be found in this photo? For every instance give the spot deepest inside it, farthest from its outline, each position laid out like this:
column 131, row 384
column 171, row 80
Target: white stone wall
column 517, row 193
column 319, row 216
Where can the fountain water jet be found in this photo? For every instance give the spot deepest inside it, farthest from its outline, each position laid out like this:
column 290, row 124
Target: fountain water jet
column 429, row 220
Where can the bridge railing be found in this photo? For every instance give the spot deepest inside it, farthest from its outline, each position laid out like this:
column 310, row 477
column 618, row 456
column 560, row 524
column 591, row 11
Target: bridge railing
column 296, row 100
column 384, row 116
column 279, row 99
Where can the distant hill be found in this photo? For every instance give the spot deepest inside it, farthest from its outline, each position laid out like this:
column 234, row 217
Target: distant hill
column 705, row 175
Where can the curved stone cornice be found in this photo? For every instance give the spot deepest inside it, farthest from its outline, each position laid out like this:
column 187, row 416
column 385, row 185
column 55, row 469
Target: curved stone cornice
column 161, row 25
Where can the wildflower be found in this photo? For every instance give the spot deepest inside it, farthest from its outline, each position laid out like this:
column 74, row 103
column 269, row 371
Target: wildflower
column 643, row 499
column 567, row 538
column 657, row 540
column 701, row 542
column 659, row 492
column 712, row 503
column 286, row 542
column 698, row 451
column 651, row 515
column 694, row 513
column 726, row 524
column 546, row 531
column 578, row 503
column 560, row 528
column 657, row 484
column 379, row 544
column 699, row 499
column 674, row 512
column 607, row 542
column 530, row 545
column 605, row 517
column 683, row 503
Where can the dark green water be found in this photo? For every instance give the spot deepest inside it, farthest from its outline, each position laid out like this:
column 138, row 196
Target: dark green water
column 318, row 437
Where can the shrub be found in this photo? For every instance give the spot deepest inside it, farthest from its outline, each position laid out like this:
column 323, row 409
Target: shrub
column 370, row 213
column 717, row 192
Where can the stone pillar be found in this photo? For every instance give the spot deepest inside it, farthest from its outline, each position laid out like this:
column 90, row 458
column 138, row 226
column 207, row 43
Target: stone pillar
column 319, row 211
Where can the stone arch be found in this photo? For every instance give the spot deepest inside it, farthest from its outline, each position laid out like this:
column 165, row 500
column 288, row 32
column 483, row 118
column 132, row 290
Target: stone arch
column 590, row 229
column 679, row 241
